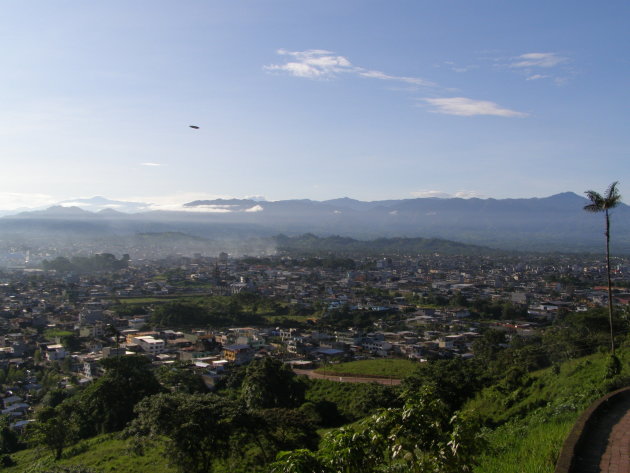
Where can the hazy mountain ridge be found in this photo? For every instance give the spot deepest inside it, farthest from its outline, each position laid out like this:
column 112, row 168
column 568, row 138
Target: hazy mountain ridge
column 557, row 222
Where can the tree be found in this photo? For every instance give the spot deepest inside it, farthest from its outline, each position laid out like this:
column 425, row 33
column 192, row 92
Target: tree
column 107, row 405
column 269, row 383
column 180, row 376
column 603, row 203
column 422, row 436
column 198, row 428
column 52, row 430
column 9, row 441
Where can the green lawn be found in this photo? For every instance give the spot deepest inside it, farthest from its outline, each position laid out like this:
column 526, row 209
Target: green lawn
column 381, row 368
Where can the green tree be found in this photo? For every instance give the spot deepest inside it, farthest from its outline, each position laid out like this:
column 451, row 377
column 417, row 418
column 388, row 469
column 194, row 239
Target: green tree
column 198, row 428
column 603, row 203
column 52, row 430
column 422, row 436
column 180, row 376
column 9, row 441
column 107, row 405
column 269, row 383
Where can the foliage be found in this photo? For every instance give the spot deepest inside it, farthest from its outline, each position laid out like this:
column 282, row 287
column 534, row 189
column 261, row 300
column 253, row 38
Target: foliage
column 423, row 435
column 338, row 403
column 9, row 441
column 180, row 376
column 51, row 430
column 454, row 381
column 107, row 404
column 379, row 368
column 269, row 383
column 198, row 428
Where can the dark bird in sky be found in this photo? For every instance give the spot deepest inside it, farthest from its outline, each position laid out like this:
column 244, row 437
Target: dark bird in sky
column 194, row 126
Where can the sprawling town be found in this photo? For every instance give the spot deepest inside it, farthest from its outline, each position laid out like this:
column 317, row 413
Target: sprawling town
column 303, row 311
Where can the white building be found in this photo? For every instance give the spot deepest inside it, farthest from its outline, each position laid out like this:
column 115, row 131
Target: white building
column 150, row 345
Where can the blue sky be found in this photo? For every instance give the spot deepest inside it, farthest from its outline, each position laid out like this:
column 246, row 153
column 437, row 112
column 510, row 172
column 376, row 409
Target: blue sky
column 298, row 99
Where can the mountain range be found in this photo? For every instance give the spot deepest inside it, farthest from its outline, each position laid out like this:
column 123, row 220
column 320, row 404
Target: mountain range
column 555, row 223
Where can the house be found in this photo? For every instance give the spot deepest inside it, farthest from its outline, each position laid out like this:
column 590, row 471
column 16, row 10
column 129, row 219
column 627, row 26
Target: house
column 150, row 345
column 238, row 354
column 55, row 352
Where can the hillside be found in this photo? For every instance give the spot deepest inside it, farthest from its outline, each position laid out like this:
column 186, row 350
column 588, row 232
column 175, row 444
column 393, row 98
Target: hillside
column 528, row 418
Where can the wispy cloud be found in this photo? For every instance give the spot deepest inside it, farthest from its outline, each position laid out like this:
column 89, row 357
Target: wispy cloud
column 150, row 164
column 537, row 77
column 464, row 194
column 324, row 64
column 255, row 208
column 465, row 107
column 546, row 60
column 17, row 200
column 459, row 68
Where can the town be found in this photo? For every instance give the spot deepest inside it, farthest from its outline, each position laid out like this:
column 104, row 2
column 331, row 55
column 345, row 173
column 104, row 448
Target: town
column 211, row 313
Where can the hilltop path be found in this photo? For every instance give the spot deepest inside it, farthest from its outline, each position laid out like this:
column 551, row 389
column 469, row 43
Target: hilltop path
column 606, row 443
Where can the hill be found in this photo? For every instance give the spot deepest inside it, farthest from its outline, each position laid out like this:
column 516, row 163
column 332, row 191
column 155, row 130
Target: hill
column 529, row 418
column 555, row 223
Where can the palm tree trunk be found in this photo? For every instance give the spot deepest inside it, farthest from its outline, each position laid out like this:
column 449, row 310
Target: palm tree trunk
column 610, row 301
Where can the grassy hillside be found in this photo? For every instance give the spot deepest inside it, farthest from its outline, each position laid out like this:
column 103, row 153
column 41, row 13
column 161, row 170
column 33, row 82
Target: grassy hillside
column 534, row 414
column 527, row 418
column 104, row 454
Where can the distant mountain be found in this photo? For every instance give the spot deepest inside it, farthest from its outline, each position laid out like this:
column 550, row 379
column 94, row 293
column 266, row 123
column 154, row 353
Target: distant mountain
column 556, row 223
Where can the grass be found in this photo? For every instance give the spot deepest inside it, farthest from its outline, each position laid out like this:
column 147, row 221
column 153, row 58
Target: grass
column 533, row 420
column 380, row 368
column 104, row 454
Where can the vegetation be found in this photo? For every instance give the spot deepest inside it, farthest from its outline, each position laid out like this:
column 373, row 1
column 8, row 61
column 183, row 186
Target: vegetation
column 312, row 245
column 380, row 368
column 604, row 203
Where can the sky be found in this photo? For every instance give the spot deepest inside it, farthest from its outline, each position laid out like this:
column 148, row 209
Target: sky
column 299, row 99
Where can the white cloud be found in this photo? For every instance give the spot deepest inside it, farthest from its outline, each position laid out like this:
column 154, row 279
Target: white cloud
column 424, row 194
column 150, row 164
column 465, row 107
column 538, row 60
column 463, row 194
column 469, row 195
column 537, row 77
column 312, row 64
column 257, row 198
column 382, row 76
column 323, row 64
column 255, row 208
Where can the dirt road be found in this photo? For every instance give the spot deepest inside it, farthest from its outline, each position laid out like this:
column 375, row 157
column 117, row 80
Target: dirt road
column 347, row 379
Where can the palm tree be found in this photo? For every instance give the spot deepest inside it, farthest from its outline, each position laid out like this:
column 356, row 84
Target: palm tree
column 604, row 203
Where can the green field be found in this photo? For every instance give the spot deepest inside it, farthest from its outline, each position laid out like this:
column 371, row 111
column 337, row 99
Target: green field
column 381, row 368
